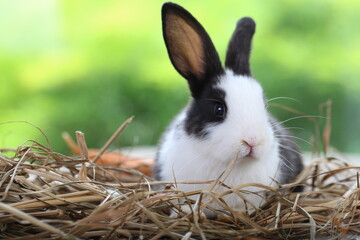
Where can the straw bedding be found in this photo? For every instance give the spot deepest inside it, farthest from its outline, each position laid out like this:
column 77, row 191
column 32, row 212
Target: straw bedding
column 47, row 195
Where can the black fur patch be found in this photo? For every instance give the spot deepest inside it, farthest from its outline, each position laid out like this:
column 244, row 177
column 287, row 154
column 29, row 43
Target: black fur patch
column 201, row 112
column 239, row 48
column 291, row 161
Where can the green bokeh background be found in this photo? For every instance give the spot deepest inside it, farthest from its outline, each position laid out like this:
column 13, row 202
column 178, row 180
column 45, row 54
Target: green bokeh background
column 88, row 65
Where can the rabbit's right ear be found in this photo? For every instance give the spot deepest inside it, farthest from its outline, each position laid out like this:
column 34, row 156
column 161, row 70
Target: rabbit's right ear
column 190, row 48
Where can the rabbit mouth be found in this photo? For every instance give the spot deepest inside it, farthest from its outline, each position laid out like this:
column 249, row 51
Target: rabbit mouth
column 245, row 153
column 249, row 149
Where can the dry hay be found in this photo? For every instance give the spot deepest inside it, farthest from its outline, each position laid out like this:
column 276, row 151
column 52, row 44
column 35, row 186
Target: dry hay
column 47, row 195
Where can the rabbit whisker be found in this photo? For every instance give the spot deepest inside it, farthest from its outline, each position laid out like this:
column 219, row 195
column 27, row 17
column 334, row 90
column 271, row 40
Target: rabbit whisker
column 289, row 148
column 286, row 162
column 290, row 128
column 287, row 98
column 294, row 137
column 289, row 140
column 298, row 117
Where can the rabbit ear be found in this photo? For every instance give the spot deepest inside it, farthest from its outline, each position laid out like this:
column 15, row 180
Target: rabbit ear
column 238, row 52
column 190, row 48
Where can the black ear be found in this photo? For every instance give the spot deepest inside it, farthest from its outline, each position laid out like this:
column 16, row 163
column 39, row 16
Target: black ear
column 238, row 52
column 190, row 48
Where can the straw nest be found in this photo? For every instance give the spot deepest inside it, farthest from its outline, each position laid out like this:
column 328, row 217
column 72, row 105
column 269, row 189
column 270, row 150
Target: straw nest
column 47, row 195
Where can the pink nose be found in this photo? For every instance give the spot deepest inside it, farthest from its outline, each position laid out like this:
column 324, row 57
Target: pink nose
column 251, row 147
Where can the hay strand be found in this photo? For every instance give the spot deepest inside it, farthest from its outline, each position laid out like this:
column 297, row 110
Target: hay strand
column 32, row 220
column 113, row 137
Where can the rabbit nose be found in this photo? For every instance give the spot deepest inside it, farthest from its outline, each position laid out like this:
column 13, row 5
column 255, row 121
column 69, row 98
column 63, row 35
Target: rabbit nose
column 249, row 146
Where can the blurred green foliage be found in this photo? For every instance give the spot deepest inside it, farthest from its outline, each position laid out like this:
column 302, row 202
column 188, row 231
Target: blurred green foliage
column 89, row 65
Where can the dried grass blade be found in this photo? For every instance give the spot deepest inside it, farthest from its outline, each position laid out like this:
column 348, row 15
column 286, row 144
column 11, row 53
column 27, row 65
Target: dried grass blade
column 112, row 139
column 61, row 200
column 158, row 223
column 33, row 220
column 327, row 128
column 277, row 215
column 5, row 194
column 80, row 138
column 301, row 210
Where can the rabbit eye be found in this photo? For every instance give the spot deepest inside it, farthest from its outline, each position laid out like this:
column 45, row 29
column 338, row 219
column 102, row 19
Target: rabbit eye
column 219, row 110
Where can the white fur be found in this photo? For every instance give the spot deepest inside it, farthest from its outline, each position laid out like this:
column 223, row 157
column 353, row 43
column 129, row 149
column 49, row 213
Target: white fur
column 186, row 158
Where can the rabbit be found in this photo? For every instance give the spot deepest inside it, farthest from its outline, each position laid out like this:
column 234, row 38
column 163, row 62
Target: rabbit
column 226, row 121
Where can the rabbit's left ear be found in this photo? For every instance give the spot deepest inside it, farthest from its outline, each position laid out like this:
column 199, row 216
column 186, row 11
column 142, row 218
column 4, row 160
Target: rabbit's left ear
column 239, row 48
column 190, row 48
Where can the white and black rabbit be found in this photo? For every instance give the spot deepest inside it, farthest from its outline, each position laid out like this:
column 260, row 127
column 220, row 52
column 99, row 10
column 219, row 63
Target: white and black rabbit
column 226, row 119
